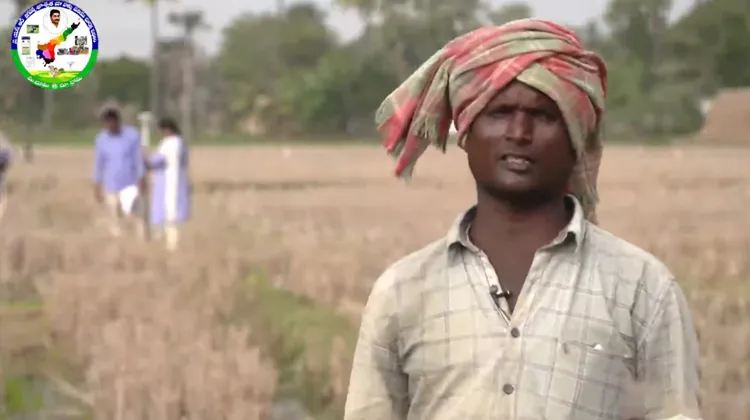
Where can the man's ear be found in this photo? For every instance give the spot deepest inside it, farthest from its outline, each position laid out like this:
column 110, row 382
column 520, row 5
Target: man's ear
column 574, row 153
column 462, row 141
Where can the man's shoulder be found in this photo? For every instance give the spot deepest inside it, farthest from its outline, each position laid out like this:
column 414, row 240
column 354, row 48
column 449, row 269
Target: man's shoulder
column 414, row 267
column 130, row 131
column 627, row 259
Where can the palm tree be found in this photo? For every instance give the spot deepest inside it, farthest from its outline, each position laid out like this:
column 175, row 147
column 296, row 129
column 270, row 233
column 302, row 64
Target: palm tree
column 24, row 93
column 189, row 22
column 154, row 102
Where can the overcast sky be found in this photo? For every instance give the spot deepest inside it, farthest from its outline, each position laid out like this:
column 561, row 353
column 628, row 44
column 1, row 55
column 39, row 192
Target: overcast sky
column 124, row 27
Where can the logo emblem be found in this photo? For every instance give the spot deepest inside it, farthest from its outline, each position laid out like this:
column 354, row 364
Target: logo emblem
column 54, row 45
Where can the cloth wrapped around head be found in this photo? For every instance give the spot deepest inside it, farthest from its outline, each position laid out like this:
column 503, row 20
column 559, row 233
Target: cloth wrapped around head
column 458, row 81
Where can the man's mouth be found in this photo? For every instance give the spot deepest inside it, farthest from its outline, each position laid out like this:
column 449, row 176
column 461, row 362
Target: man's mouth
column 516, row 162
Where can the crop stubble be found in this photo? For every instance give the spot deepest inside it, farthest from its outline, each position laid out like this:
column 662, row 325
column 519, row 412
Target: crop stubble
column 140, row 329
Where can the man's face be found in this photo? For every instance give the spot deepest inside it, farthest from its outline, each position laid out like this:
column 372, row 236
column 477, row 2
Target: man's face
column 55, row 18
column 112, row 125
column 519, row 145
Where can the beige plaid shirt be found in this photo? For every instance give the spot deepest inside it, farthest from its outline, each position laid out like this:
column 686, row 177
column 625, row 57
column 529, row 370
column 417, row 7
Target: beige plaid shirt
column 600, row 331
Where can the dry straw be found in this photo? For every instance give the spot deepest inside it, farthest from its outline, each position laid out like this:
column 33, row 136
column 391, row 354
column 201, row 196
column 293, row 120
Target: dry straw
column 132, row 334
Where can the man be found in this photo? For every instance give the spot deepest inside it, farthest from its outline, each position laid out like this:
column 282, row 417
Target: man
column 6, row 156
column 54, row 16
column 119, row 169
column 525, row 309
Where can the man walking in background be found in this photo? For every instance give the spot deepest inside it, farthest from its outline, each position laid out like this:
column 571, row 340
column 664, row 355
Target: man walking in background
column 526, row 309
column 6, row 155
column 119, row 171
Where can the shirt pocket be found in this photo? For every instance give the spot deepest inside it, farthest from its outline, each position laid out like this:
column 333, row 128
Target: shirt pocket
column 595, row 371
column 595, row 361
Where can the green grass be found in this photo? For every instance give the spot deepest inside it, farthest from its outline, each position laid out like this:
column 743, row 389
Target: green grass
column 22, row 396
column 295, row 332
column 22, row 359
column 298, row 334
column 45, row 76
column 29, row 351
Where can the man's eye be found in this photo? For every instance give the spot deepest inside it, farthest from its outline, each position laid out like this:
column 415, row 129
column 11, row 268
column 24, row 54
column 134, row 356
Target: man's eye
column 500, row 112
column 543, row 115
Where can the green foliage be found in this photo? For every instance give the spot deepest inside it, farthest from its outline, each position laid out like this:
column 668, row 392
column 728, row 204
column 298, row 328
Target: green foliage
column 290, row 71
column 125, row 79
column 713, row 40
column 341, row 87
column 282, row 49
column 659, row 70
column 509, row 12
column 299, row 335
column 22, row 396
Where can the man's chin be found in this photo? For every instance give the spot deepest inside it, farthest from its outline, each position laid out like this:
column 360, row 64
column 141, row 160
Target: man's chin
column 517, row 186
column 520, row 193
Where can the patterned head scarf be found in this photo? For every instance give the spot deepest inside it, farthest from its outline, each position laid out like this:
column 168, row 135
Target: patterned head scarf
column 458, row 81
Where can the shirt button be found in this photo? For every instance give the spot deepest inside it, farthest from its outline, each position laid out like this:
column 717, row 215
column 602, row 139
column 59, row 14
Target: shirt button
column 508, row 389
column 515, row 333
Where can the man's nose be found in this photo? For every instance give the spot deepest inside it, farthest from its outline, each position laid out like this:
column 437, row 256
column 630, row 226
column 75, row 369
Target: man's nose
column 520, row 126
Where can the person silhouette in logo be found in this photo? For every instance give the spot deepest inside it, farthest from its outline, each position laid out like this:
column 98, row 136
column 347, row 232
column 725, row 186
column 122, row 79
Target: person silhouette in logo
column 54, row 17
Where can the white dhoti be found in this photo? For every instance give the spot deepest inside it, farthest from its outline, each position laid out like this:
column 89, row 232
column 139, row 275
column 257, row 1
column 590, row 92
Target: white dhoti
column 124, row 204
column 128, row 197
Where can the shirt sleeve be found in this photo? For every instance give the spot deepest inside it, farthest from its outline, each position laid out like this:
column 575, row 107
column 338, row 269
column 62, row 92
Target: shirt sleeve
column 668, row 359
column 99, row 161
column 157, row 161
column 378, row 388
column 168, row 154
column 5, row 158
column 140, row 163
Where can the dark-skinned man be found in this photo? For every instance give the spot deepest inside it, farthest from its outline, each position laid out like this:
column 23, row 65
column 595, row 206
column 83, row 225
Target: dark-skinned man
column 119, row 171
column 6, row 158
column 54, row 17
column 526, row 309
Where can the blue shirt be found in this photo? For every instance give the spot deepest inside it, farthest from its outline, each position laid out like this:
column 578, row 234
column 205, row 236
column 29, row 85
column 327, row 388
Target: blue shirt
column 5, row 159
column 118, row 161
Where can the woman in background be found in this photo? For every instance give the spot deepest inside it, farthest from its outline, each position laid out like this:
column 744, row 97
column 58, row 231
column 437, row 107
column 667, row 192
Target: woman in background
column 170, row 184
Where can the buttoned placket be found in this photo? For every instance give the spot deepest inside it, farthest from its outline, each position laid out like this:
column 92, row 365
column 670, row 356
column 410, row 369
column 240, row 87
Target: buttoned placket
column 515, row 321
column 541, row 260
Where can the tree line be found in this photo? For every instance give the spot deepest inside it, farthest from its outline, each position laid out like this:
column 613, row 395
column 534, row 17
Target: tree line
column 288, row 73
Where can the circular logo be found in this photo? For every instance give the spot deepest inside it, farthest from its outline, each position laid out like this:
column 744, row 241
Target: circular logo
column 54, row 45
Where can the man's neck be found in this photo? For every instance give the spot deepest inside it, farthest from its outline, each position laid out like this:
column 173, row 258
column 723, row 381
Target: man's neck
column 500, row 222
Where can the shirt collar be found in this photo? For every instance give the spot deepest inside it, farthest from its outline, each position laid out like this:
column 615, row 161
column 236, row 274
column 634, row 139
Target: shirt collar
column 576, row 228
